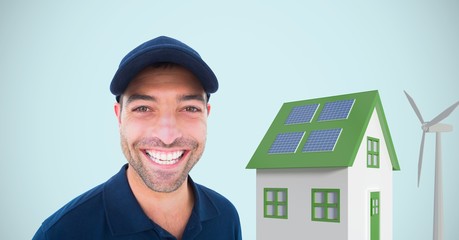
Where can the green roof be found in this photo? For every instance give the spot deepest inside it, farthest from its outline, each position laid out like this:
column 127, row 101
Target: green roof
column 342, row 154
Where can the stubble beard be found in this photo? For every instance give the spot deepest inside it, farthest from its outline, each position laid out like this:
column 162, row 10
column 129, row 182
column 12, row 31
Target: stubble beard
column 155, row 179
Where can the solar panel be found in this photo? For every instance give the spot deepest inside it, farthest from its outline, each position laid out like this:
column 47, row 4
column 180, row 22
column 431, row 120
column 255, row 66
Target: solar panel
column 286, row 142
column 322, row 140
column 336, row 110
column 302, row 114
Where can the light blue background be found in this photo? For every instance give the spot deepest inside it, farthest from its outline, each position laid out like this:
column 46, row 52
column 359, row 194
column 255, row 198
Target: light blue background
column 59, row 136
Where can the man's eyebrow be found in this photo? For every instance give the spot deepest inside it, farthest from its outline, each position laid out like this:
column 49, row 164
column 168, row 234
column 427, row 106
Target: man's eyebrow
column 135, row 97
column 197, row 97
column 182, row 98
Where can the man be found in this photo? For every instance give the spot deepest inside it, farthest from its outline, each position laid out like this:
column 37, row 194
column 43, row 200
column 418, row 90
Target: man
column 162, row 89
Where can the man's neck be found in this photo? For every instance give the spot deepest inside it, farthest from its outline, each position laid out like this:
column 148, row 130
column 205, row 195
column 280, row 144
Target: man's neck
column 171, row 210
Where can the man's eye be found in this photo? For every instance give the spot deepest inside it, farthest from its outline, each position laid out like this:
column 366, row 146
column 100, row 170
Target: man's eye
column 192, row 109
column 141, row 109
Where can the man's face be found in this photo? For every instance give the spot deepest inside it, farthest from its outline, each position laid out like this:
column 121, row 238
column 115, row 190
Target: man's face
column 163, row 126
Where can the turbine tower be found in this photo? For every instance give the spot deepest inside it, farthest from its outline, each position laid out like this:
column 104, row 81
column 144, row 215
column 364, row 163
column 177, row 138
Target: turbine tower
column 429, row 127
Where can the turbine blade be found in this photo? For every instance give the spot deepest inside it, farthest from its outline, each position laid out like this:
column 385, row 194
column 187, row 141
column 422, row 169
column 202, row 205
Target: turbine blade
column 413, row 105
column 442, row 115
column 421, row 153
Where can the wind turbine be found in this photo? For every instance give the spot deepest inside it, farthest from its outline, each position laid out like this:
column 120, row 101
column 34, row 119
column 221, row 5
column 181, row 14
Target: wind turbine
column 428, row 127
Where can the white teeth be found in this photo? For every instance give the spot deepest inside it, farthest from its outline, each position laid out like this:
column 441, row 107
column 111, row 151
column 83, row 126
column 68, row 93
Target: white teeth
column 164, row 158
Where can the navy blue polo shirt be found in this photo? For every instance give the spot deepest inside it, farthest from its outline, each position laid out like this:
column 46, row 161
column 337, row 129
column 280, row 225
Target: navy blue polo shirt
column 110, row 211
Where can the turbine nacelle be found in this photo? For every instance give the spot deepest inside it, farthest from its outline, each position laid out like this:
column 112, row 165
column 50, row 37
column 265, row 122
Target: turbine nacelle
column 439, row 127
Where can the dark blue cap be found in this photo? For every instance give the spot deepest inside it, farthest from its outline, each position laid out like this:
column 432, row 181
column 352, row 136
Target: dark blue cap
column 159, row 50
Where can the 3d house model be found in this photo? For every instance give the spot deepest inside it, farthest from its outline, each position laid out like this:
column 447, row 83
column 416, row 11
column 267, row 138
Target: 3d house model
column 324, row 171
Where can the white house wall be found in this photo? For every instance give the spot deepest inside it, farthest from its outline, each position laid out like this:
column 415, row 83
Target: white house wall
column 299, row 183
column 363, row 180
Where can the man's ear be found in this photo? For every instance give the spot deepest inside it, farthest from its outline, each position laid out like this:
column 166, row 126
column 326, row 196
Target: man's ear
column 208, row 109
column 117, row 108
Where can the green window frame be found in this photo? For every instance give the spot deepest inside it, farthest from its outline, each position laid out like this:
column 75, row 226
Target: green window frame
column 325, row 205
column 276, row 203
column 373, row 152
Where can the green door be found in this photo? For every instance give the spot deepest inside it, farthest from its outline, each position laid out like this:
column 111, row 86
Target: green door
column 375, row 206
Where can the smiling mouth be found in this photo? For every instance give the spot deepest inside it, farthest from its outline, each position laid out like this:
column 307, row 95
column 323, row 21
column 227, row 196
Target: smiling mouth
column 165, row 158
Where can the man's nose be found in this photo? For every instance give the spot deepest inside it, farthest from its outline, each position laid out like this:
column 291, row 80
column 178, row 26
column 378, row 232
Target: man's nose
column 167, row 129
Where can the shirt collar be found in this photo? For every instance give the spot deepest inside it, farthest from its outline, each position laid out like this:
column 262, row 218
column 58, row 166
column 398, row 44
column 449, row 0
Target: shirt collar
column 125, row 216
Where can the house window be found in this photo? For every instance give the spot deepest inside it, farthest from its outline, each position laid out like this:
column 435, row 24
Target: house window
column 276, row 203
column 372, row 152
column 325, row 205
